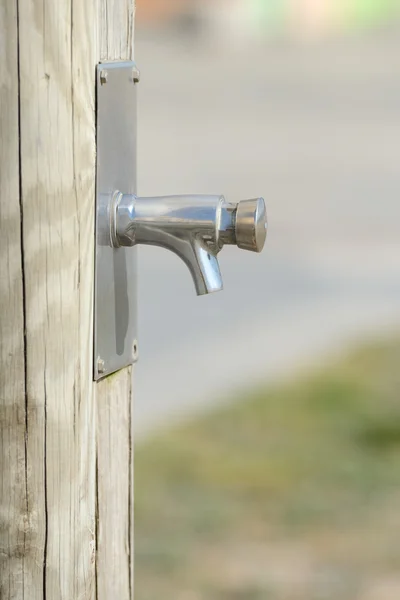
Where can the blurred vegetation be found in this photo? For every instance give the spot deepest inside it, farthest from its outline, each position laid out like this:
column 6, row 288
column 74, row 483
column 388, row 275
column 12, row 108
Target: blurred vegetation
column 369, row 12
column 290, row 493
column 274, row 15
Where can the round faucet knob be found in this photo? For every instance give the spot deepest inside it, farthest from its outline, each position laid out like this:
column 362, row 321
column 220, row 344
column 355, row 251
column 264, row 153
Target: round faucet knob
column 251, row 224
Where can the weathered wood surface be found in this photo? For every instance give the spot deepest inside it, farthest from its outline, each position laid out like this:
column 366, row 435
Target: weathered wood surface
column 13, row 501
column 66, row 447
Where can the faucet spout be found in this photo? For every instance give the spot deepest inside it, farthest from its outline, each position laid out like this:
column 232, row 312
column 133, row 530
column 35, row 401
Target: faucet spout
column 205, row 270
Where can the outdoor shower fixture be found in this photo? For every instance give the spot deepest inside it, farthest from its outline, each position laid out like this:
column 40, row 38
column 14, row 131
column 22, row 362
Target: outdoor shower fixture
column 192, row 226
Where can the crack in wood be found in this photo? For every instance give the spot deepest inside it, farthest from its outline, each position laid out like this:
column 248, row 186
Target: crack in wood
column 23, row 278
column 96, row 528
column 130, row 507
column 46, row 508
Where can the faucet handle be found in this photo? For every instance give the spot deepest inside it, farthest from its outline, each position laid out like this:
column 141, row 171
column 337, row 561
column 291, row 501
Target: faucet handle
column 251, row 224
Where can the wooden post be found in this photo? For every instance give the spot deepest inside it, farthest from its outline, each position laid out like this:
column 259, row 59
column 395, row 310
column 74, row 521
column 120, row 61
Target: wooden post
column 65, row 442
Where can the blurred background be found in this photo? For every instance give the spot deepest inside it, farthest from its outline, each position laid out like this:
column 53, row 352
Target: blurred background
column 267, row 421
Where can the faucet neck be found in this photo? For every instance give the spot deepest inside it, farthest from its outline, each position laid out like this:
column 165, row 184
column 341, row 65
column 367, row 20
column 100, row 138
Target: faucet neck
column 151, row 220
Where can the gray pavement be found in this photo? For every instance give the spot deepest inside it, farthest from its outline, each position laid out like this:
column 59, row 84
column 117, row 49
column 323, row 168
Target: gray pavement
column 316, row 130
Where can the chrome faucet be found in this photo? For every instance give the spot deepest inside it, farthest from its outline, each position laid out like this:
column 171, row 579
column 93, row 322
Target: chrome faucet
column 193, row 227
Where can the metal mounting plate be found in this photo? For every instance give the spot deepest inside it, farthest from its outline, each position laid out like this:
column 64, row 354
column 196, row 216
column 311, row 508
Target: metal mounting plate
column 115, row 270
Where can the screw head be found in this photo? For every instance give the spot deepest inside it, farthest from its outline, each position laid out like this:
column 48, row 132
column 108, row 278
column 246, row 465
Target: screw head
column 101, row 366
column 135, row 75
column 134, row 350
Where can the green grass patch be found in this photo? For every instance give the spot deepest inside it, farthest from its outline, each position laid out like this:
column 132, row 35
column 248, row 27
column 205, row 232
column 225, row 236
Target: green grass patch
column 289, row 492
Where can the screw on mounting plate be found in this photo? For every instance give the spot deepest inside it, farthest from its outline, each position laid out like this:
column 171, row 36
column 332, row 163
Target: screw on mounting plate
column 101, row 366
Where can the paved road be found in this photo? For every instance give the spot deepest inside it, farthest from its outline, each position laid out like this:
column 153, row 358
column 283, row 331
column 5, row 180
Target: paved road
column 316, row 130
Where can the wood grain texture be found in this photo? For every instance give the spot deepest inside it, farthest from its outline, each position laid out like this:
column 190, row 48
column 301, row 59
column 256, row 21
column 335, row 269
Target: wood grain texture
column 14, row 528
column 114, row 499
column 57, row 493
column 116, row 29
